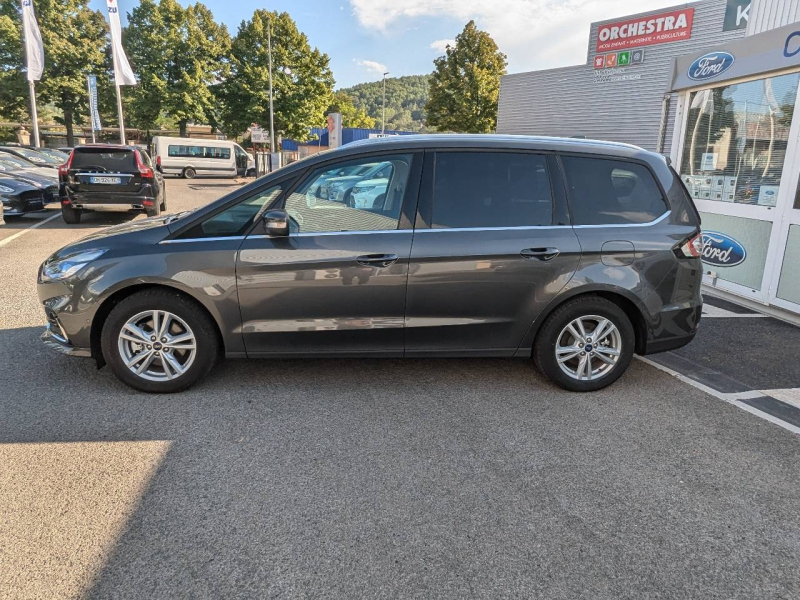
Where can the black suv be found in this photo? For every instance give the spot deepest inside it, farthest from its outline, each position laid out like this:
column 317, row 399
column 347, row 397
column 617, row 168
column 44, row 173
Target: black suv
column 109, row 178
column 571, row 252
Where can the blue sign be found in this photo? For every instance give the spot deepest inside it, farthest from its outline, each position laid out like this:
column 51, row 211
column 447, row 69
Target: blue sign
column 722, row 250
column 710, row 65
column 93, row 112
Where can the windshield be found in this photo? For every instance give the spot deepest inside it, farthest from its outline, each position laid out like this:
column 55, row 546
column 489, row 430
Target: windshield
column 37, row 157
column 13, row 163
column 55, row 154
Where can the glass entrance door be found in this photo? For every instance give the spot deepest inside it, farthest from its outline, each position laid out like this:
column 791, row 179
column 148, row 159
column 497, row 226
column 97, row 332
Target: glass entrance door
column 735, row 146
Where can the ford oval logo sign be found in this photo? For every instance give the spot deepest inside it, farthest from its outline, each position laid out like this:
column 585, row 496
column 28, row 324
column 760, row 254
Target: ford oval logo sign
column 722, row 250
column 710, row 65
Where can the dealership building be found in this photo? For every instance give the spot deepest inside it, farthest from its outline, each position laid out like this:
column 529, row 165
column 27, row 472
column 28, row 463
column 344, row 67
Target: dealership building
column 713, row 85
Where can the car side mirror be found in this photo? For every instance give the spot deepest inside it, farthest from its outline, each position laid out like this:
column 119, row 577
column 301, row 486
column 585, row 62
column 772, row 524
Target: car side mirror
column 276, row 222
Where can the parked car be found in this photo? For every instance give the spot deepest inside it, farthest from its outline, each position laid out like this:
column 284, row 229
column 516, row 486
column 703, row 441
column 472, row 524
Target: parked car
column 20, row 197
column 35, row 157
column 53, row 153
column 574, row 253
column 338, row 189
column 110, row 178
column 192, row 157
column 20, row 165
column 14, row 168
column 369, row 193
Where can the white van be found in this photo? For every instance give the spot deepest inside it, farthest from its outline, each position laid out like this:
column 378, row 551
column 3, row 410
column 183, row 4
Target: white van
column 193, row 157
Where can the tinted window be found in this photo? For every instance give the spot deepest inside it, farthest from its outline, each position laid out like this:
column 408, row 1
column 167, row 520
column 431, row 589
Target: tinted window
column 104, row 160
column 603, row 192
column 366, row 199
column 192, row 151
column 491, row 189
column 235, row 220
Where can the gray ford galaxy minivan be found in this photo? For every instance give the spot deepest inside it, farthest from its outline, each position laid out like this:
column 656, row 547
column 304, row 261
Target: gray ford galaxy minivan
column 574, row 253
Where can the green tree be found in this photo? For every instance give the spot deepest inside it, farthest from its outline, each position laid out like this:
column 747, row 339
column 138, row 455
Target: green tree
column 301, row 78
column 351, row 116
column 13, row 87
column 405, row 101
column 465, row 84
column 179, row 54
column 76, row 44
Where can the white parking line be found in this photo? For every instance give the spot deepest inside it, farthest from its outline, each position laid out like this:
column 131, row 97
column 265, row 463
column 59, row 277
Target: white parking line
column 731, row 398
column 789, row 396
column 711, row 312
column 27, row 229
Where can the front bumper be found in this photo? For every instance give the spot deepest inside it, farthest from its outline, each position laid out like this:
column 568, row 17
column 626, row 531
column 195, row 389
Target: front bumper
column 53, row 338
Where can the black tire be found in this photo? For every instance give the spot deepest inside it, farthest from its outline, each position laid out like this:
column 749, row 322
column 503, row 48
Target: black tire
column 201, row 325
column 153, row 212
column 250, row 173
column 163, row 198
column 544, row 348
column 71, row 216
column 189, row 173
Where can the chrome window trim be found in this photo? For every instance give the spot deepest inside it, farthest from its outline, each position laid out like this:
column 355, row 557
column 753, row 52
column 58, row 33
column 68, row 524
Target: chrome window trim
column 327, row 233
column 540, row 227
column 648, row 224
column 205, row 239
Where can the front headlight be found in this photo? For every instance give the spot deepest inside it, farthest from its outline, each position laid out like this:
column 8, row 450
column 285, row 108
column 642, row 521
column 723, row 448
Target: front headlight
column 69, row 265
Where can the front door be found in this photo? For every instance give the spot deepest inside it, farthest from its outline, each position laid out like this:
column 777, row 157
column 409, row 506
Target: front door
column 337, row 283
column 490, row 252
column 241, row 161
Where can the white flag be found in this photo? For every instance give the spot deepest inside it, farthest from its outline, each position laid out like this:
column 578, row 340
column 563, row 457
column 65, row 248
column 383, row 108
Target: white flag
column 34, row 51
column 123, row 74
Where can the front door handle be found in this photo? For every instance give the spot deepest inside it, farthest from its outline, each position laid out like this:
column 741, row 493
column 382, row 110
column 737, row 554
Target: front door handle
column 540, row 253
column 377, row 260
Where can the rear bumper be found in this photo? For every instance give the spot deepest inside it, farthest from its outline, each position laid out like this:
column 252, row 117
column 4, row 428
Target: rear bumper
column 109, row 202
column 677, row 327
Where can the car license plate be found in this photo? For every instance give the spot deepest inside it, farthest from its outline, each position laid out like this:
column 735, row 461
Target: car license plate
column 106, row 180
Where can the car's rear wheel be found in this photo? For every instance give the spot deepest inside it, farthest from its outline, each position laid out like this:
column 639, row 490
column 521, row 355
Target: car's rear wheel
column 585, row 345
column 71, row 216
column 155, row 341
column 163, row 198
column 189, row 173
column 154, row 211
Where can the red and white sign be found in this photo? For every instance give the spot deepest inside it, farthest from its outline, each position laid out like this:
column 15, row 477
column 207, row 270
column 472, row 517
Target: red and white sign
column 647, row 31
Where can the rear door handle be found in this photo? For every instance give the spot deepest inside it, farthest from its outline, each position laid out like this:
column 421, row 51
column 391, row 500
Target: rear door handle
column 377, row 260
column 540, row 253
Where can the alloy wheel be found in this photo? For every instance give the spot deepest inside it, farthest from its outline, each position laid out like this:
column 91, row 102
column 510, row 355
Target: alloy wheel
column 588, row 348
column 157, row 345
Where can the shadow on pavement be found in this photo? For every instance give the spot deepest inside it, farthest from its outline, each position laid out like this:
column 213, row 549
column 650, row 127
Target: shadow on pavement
column 434, row 478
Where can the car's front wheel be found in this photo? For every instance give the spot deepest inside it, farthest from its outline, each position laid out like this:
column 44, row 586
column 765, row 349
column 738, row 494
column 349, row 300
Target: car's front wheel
column 155, row 341
column 585, row 345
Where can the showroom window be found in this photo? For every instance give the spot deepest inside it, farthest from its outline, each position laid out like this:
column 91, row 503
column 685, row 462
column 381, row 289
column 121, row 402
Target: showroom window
column 736, row 140
column 608, row 192
column 491, row 189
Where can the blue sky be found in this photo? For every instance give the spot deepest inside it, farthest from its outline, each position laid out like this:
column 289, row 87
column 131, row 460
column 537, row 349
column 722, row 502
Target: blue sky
column 362, row 37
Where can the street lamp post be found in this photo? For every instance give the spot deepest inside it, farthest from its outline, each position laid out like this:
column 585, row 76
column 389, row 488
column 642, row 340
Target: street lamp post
column 271, row 113
column 383, row 119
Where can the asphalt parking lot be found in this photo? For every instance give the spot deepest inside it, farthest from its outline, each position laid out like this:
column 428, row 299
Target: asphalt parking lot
column 379, row 478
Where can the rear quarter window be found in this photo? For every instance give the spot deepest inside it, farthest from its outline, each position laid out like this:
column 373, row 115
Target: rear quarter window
column 608, row 192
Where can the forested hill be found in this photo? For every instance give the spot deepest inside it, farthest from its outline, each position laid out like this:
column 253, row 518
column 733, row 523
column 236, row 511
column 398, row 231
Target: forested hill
column 405, row 101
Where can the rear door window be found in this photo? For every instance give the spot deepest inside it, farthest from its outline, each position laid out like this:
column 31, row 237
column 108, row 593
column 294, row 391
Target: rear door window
column 610, row 192
column 112, row 161
column 491, row 189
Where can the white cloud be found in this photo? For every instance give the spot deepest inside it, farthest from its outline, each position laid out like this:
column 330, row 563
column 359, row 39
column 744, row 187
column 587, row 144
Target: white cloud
column 371, row 65
column 441, row 45
column 535, row 34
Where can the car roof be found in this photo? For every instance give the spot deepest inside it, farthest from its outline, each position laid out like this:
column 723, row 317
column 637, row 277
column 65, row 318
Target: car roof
column 494, row 141
column 112, row 147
